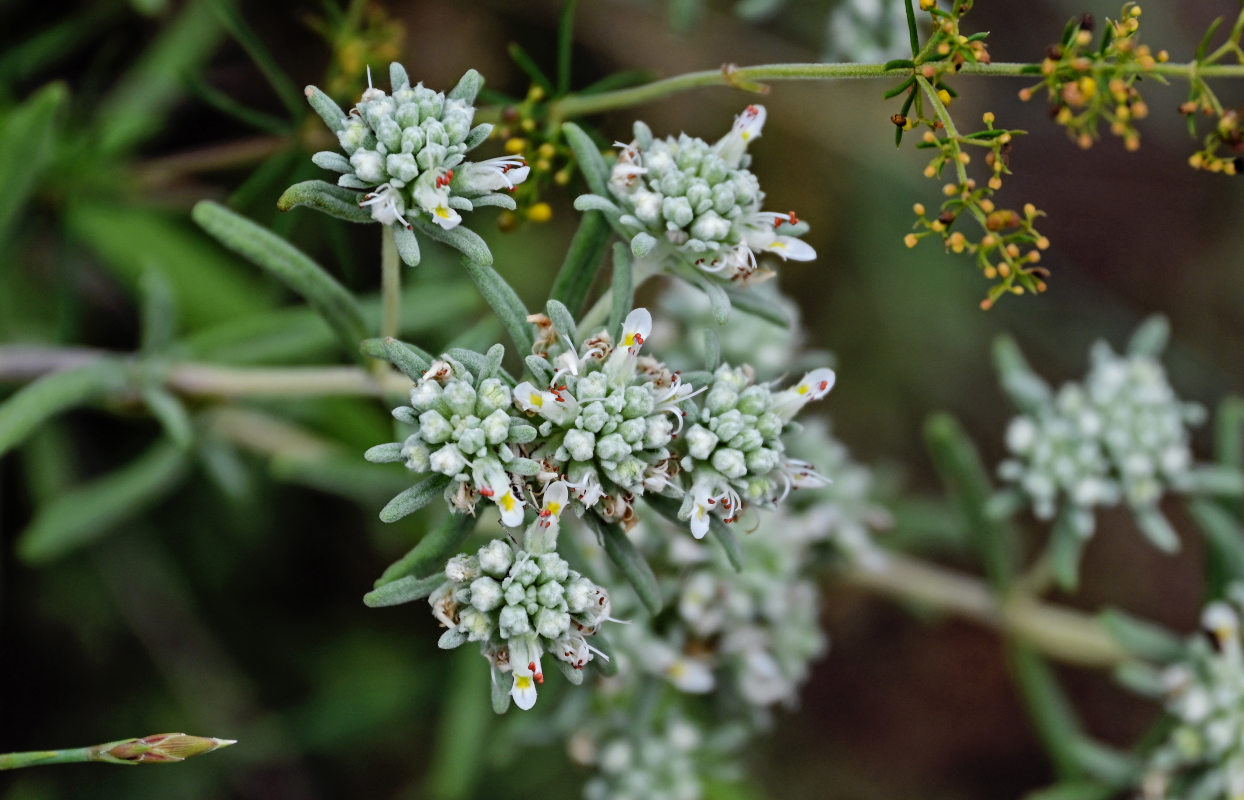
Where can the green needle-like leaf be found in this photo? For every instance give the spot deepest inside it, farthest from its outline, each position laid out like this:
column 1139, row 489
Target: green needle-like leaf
column 432, row 551
column 578, row 272
column 87, row 512
column 289, row 265
column 629, row 561
column 591, row 163
column 622, row 296
column 27, row 146
column 327, row 197
column 48, row 396
column 403, row 590
column 503, row 300
column 414, row 498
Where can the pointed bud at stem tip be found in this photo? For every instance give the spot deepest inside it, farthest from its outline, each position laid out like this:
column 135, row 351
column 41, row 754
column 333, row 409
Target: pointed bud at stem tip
column 160, row 748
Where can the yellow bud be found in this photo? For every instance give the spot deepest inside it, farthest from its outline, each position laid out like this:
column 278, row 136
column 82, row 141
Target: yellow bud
column 988, row 118
column 547, row 150
column 1017, row 290
column 987, row 206
column 1033, row 256
column 1131, row 143
column 1085, row 141
column 1088, row 87
column 562, row 177
column 995, row 183
column 990, row 272
column 1004, row 269
column 528, row 125
column 540, row 212
column 515, row 146
column 944, row 96
column 1083, row 38
column 535, row 94
column 1012, row 250
column 911, row 240
column 929, row 137
column 930, row 171
column 964, row 158
column 1030, row 210
column 544, row 165
column 1043, row 243
column 950, row 190
column 918, row 208
column 937, row 226
column 1025, row 95
column 988, row 241
column 1195, row 160
column 1163, row 56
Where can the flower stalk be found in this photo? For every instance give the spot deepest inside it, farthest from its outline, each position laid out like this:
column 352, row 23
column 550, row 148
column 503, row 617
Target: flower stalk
column 161, row 748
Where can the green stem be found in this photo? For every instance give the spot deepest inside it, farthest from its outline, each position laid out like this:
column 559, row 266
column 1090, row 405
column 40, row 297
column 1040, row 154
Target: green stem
column 390, row 286
column 580, row 105
column 77, row 755
column 1070, row 636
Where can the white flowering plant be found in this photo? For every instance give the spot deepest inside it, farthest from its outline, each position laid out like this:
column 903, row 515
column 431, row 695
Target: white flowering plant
column 573, row 402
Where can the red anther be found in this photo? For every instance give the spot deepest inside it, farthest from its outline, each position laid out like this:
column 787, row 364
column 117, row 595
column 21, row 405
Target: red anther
column 486, row 492
column 539, row 676
column 824, row 385
column 794, row 218
column 753, row 110
column 711, row 501
column 725, row 503
column 639, row 339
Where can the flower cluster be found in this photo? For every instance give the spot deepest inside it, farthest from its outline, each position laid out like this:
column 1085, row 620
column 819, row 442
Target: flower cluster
column 668, row 761
column 734, row 451
column 696, row 207
column 466, row 432
column 1121, row 435
column 1202, row 757
column 521, row 603
column 408, row 149
column 1088, row 84
column 605, row 417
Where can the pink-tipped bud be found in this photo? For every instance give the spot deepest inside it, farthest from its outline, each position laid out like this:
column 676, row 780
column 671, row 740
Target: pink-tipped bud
column 161, row 748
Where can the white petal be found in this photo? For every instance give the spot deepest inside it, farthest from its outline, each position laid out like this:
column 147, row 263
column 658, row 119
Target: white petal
column 699, row 521
column 511, row 509
column 524, row 691
column 790, row 248
column 636, row 328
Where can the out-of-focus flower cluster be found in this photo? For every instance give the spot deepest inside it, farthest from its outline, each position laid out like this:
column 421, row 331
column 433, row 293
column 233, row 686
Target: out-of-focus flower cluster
column 1120, row 435
column 1202, row 756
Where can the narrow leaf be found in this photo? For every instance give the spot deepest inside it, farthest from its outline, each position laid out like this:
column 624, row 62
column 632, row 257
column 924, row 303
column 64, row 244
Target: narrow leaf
column 712, row 350
column 403, row 590
column 336, row 201
column 1150, row 338
column 27, row 147
column 159, row 312
column 289, row 265
column 1027, row 390
column 959, row 465
column 591, row 163
column 414, row 498
column 623, row 295
column 578, row 272
column 1225, row 544
column 461, row 238
column 37, row 402
column 563, row 321
column 504, row 301
column 1048, row 709
column 432, row 551
column 629, row 561
column 410, row 360
column 87, row 512
column 171, row 414
column 1145, row 639
column 1065, row 546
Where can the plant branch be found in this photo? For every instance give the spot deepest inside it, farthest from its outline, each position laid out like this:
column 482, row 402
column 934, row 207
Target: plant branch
column 1060, row 633
column 580, row 105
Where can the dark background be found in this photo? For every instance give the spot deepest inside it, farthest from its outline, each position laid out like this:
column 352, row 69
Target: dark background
column 239, row 616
